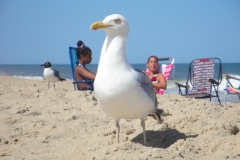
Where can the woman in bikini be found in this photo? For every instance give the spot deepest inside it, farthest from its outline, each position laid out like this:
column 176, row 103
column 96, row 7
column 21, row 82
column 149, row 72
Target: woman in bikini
column 84, row 55
column 157, row 79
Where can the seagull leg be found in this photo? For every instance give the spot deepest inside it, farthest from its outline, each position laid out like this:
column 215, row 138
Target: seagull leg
column 143, row 127
column 54, row 85
column 117, row 129
column 48, row 85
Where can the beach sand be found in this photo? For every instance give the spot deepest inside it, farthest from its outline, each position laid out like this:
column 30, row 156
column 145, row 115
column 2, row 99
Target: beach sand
column 41, row 123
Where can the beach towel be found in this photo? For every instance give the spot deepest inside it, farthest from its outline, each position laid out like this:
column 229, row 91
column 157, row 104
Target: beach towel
column 232, row 90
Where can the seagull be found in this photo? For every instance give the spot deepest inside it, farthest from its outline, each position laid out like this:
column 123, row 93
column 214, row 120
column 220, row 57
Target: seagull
column 51, row 75
column 121, row 90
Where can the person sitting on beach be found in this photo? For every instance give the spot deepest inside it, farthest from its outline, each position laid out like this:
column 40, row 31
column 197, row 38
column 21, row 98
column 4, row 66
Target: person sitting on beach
column 84, row 55
column 154, row 75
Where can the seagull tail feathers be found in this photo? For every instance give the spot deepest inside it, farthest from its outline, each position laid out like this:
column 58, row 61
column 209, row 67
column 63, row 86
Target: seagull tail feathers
column 158, row 113
column 62, row 79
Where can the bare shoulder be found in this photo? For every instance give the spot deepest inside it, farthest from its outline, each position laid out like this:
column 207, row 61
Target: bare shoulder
column 79, row 68
column 160, row 76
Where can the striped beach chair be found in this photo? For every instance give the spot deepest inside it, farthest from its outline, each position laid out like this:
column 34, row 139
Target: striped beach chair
column 205, row 76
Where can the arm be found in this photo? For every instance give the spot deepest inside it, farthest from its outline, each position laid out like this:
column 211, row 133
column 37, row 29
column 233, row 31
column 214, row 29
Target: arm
column 82, row 74
column 161, row 82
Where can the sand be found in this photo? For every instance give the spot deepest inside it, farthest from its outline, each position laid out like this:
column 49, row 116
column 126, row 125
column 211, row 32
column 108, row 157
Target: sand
column 60, row 123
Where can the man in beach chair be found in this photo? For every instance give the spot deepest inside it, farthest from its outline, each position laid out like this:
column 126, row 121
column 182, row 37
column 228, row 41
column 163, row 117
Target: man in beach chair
column 159, row 74
column 204, row 75
column 230, row 89
column 82, row 78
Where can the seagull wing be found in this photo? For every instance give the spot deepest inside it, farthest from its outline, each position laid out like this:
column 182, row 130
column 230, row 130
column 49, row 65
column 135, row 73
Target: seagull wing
column 146, row 85
column 56, row 73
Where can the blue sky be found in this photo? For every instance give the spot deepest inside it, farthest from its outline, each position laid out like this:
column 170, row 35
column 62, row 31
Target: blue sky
column 36, row 31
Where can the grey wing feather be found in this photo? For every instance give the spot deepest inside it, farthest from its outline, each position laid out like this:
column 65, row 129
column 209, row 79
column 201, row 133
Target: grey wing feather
column 146, row 85
column 56, row 73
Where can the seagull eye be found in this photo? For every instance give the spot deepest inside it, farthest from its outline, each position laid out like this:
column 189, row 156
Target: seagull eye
column 117, row 20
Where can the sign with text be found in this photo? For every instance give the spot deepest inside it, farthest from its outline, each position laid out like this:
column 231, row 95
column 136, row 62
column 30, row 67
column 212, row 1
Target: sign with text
column 203, row 70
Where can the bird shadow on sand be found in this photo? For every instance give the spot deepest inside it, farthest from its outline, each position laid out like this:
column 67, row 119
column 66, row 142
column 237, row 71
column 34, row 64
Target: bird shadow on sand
column 161, row 139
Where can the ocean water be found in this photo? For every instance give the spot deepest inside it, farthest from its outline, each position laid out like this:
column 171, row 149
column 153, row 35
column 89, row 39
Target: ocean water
column 35, row 72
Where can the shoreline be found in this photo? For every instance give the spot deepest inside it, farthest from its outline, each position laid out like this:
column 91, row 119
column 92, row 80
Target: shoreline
column 41, row 123
column 171, row 90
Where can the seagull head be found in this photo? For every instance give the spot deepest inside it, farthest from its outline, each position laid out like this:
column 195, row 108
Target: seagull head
column 114, row 24
column 46, row 65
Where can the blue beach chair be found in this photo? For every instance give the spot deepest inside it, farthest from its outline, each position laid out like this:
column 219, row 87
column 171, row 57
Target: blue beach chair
column 74, row 62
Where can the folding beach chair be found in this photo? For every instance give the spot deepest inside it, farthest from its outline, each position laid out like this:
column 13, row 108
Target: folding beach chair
column 166, row 69
column 204, row 75
column 74, row 62
column 230, row 89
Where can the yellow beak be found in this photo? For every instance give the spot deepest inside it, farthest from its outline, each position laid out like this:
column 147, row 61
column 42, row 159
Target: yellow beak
column 98, row 25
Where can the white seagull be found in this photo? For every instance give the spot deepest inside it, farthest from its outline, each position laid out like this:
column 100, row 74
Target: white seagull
column 51, row 75
column 121, row 90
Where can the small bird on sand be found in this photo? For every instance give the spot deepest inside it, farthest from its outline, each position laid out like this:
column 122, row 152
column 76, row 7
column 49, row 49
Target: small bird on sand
column 51, row 75
column 121, row 90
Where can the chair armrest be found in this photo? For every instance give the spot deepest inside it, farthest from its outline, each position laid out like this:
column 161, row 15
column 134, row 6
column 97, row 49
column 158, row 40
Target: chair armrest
column 213, row 81
column 85, row 81
column 180, row 85
column 230, row 77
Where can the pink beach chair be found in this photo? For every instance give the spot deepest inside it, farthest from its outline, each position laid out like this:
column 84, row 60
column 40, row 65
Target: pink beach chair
column 166, row 69
column 230, row 88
